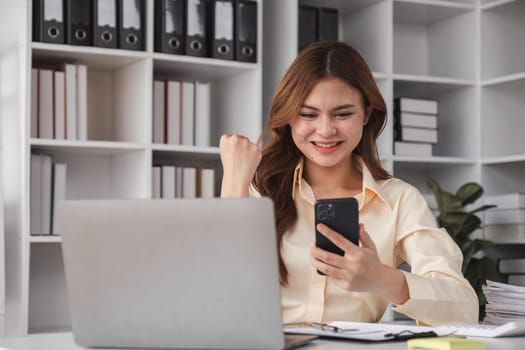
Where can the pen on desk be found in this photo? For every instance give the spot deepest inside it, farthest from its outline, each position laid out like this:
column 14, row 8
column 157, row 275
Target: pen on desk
column 335, row 329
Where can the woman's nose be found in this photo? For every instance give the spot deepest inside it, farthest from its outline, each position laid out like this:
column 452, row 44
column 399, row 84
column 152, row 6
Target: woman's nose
column 325, row 126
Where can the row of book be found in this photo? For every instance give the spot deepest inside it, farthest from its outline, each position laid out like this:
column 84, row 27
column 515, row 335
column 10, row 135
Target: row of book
column 505, row 226
column 415, row 126
column 317, row 24
column 102, row 23
column 48, row 186
column 181, row 113
column 506, row 222
column 59, row 103
column 224, row 29
column 171, row 181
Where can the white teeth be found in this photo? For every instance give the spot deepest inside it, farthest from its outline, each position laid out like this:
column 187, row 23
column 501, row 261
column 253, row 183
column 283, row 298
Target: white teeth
column 326, row 145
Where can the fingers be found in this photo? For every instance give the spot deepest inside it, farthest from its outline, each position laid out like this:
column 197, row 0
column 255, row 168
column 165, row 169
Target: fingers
column 336, row 238
column 233, row 137
column 328, row 263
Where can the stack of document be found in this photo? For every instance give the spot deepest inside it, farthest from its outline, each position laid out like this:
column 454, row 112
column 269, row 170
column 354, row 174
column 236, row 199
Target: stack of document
column 505, row 303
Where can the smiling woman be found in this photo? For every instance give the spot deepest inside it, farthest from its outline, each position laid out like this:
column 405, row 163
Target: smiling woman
column 330, row 124
column 321, row 136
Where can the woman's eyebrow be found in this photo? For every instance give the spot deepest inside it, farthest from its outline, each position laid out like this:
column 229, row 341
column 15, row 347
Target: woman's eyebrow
column 309, row 107
column 345, row 106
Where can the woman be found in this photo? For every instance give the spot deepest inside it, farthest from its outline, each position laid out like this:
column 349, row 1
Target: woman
column 321, row 143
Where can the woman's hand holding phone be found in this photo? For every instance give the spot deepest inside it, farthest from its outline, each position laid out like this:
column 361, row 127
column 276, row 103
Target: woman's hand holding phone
column 360, row 269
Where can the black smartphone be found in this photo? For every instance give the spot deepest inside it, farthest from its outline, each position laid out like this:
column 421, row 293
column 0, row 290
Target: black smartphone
column 342, row 216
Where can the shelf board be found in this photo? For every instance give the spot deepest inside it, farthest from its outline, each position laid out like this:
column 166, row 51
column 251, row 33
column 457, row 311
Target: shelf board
column 504, row 80
column 435, row 160
column 86, row 147
column 97, row 58
column 520, row 158
column 196, row 68
column 428, row 11
column 493, row 4
column 185, row 149
column 45, row 239
column 344, row 6
column 432, row 79
column 187, row 154
column 380, row 75
column 426, row 86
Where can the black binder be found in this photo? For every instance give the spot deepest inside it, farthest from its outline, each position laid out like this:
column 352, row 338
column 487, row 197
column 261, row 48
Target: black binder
column 78, row 22
column 196, row 28
column 131, row 24
column 105, row 23
column 246, row 46
column 308, row 26
column 170, row 26
column 48, row 21
column 328, row 24
column 223, row 29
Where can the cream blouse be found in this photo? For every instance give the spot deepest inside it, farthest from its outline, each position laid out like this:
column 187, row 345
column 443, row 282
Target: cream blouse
column 397, row 218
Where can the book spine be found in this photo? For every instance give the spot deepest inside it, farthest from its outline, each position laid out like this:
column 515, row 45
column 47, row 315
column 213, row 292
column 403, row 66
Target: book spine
column 509, row 265
column 417, row 105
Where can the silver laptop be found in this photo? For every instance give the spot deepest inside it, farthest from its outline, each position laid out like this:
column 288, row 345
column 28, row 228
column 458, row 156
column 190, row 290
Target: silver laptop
column 183, row 273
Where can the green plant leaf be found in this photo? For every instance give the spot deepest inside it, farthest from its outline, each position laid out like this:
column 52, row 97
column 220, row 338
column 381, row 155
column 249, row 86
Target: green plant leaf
column 437, row 192
column 469, row 193
column 471, row 248
column 460, row 224
column 482, row 208
column 453, row 221
column 471, row 223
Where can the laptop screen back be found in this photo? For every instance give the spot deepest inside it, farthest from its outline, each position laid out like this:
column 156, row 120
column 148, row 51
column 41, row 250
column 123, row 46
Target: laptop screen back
column 183, row 273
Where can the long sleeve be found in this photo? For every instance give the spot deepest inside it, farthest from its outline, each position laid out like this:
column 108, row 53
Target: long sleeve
column 439, row 294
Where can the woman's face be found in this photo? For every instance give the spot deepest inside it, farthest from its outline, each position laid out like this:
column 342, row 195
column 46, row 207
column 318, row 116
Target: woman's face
column 330, row 123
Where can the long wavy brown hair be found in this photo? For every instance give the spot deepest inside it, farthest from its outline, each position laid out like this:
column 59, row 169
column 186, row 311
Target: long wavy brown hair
column 280, row 156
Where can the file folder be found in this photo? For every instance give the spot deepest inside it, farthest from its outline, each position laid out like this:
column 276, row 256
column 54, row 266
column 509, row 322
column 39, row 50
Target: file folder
column 131, row 24
column 246, row 46
column 78, row 22
column 105, row 23
column 308, row 26
column 169, row 26
column 196, row 28
column 328, row 24
column 223, row 29
column 48, row 21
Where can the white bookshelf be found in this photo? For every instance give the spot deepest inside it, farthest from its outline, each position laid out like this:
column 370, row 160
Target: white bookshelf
column 2, row 232
column 466, row 54
column 116, row 160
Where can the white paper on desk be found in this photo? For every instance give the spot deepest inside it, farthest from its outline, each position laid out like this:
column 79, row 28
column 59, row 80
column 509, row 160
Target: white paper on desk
column 366, row 331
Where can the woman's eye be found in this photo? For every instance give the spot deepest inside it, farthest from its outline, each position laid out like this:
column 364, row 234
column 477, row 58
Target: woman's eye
column 307, row 115
column 344, row 115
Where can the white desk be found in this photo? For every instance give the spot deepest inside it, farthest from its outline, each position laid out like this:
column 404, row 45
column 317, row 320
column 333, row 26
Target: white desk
column 64, row 341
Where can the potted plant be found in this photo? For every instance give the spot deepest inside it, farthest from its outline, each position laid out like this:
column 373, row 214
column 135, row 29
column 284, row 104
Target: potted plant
column 460, row 224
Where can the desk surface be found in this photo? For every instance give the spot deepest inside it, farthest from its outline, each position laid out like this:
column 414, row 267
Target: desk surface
column 65, row 341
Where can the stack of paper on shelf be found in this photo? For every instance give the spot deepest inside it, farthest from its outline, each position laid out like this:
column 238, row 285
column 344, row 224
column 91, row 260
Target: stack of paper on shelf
column 505, row 303
column 415, row 126
column 506, row 222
